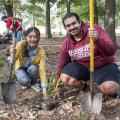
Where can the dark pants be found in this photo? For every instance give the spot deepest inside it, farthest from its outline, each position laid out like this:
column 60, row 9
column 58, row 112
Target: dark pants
column 101, row 74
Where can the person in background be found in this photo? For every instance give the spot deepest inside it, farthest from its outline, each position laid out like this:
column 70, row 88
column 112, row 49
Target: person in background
column 13, row 24
column 74, row 62
column 30, row 62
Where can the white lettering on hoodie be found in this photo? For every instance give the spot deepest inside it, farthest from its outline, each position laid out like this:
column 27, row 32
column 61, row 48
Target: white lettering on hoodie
column 81, row 52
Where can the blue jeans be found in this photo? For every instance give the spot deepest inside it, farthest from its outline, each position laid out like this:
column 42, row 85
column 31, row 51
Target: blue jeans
column 19, row 35
column 27, row 76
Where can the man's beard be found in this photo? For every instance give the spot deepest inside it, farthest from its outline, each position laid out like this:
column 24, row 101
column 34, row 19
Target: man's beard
column 75, row 32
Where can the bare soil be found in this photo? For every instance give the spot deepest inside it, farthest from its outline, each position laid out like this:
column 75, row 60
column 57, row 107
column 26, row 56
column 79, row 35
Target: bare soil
column 27, row 105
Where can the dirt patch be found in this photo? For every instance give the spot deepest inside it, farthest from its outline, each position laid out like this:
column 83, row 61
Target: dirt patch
column 27, row 106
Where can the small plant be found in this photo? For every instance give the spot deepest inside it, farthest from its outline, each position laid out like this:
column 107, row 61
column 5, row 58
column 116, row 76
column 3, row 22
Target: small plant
column 13, row 75
column 53, row 85
column 2, row 60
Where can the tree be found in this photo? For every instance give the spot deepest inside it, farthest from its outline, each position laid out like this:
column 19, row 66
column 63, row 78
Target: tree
column 8, row 6
column 117, row 21
column 36, row 8
column 48, row 26
column 110, row 9
column 68, row 6
column 96, row 12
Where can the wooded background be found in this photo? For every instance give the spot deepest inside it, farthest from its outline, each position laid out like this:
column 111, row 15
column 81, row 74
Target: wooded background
column 107, row 12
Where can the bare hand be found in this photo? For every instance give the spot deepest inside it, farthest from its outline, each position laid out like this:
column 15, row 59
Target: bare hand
column 93, row 33
column 45, row 95
column 12, row 49
column 11, row 27
column 57, row 75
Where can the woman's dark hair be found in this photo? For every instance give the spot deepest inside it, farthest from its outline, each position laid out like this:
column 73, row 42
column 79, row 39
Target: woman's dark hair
column 35, row 29
column 71, row 14
column 4, row 17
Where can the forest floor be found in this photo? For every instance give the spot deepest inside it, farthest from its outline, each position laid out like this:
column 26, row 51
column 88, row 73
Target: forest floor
column 27, row 105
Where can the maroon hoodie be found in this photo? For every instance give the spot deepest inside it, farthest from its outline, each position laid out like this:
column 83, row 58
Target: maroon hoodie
column 104, row 49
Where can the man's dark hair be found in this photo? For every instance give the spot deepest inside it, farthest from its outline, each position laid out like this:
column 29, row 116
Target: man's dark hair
column 4, row 17
column 71, row 14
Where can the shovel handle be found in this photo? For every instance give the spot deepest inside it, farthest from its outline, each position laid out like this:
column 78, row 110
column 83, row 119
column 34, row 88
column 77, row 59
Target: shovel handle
column 91, row 45
column 91, row 38
column 12, row 55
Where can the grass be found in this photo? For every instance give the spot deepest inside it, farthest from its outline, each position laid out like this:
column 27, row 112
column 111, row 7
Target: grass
column 82, row 115
column 2, row 64
column 2, row 60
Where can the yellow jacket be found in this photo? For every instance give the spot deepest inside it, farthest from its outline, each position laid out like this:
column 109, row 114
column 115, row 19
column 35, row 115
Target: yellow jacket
column 39, row 59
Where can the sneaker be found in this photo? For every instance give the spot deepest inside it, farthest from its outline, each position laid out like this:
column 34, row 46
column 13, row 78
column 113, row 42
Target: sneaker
column 24, row 87
column 116, row 95
column 108, row 97
column 36, row 87
column 85, row 86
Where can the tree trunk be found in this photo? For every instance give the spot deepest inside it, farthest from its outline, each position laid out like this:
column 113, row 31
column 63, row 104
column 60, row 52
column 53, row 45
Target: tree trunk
column 68, row 6
column 9, row 8
column 95, row 12
column 110, row 8
column 33, row 21
column 48, row 26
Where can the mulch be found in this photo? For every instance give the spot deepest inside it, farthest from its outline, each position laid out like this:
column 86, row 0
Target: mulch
column 27, row 105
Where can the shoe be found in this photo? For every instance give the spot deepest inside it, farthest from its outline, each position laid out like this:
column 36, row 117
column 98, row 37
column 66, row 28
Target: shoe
column 24, row 87
column 116, row 95
column 86, row 87
column 36, row 87
column 108, row 97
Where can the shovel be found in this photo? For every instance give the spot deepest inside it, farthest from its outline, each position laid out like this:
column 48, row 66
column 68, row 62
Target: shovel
column 92, row 103
column 9, row 89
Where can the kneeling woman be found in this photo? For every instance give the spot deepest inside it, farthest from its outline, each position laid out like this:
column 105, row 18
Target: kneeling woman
column 30, row 62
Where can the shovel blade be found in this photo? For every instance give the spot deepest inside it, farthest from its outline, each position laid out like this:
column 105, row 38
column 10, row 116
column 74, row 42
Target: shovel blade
column 91, row 105
column 97, row 103
column 8, row 92
column 86, row 101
